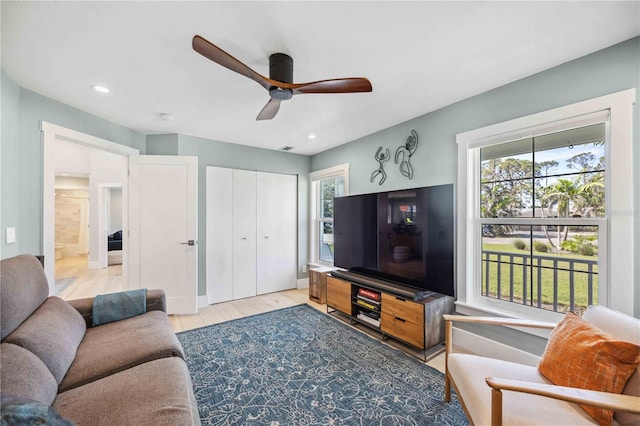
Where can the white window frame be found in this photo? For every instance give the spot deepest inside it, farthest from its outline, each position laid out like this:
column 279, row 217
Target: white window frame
column 314, row 209
column 616, row 260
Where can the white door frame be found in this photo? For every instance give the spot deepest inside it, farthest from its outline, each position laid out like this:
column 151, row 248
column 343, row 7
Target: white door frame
column 51, row 133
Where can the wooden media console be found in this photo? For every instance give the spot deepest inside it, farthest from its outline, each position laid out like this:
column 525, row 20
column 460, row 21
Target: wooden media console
column 411, row 316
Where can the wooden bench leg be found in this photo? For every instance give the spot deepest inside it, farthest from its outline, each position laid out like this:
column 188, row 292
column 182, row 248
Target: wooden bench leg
column 448, row 347
column 447, row 388
column 496, row 407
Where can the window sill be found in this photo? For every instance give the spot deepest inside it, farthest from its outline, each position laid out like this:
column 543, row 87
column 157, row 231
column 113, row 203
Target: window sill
column 321, row 264
column 477, row 309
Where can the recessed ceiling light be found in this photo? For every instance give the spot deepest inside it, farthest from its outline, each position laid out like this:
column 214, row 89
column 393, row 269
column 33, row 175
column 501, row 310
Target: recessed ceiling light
column 100, row 89
column 312, row 136
column 166, row 117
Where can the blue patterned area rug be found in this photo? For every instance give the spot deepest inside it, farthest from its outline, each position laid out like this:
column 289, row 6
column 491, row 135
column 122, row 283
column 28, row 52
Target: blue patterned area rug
column 298, row 366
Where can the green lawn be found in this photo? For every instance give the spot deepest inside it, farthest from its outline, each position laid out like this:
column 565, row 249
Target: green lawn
column 546, row 281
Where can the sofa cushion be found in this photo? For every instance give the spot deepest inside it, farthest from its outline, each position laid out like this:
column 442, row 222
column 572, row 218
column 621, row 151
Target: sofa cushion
column 580, row 355
column 119, row 345
column 23, row 411
column 23, row 374
column 623, row 327
column 155, row 393
column 53, row 333
column 469, row 371
column 23, row 287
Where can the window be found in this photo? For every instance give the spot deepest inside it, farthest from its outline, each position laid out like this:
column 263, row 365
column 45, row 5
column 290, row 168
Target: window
column 544, row 213
column 325, row 186
column 549, row 265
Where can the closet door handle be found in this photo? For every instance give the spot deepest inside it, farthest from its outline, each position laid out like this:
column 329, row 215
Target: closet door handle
column 189, row 243
column 243, row 238
column 266, row 237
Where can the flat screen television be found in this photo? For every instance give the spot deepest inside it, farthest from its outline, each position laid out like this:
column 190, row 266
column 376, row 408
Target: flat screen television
column 403, row 237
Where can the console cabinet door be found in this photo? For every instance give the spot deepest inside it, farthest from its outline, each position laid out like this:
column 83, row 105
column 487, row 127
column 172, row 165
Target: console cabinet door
column 402, row 329
column 408, row 310
column 339, row 295
column 403, row 319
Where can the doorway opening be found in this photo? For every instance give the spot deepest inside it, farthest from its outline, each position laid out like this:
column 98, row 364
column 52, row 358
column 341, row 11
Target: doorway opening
column 77, row 170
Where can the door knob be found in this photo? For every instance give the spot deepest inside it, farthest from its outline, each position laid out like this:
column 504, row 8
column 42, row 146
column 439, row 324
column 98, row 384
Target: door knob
column 189, row 243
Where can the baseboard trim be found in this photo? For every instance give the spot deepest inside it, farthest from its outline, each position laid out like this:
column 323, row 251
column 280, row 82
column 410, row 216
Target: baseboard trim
column 490, row 348
column 302, row 283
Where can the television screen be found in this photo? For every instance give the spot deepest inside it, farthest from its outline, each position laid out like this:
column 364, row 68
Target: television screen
column 403, row 236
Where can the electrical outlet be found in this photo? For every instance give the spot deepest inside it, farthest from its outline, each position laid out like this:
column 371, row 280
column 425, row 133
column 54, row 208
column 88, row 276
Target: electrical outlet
column 11, row 235
column 304, row 269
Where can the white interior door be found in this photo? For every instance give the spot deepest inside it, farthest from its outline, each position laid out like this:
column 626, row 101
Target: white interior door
column 219, row 234
column 277, row 232
column 163, row 228
column 244, row 233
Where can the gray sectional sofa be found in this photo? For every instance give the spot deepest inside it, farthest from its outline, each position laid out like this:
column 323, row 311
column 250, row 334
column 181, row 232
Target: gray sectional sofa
column 129, row 372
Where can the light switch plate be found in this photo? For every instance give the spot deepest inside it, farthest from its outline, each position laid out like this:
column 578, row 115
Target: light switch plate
column 11, row 235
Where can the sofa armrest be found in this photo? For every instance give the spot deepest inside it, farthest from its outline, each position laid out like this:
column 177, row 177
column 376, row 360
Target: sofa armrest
column 156, row 301
column 610, row 401
column 85, row 308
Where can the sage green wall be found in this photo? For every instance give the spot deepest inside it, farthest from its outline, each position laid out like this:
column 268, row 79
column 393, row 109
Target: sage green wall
column 221, row 154
column 10, row 177
column 607, row 71
column 162, row 144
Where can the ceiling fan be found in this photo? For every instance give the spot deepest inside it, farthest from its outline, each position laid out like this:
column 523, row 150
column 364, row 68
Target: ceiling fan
column 280, row 82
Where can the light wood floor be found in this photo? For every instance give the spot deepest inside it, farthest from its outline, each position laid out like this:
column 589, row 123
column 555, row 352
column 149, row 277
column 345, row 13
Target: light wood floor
column 226, row 311
column 90, row 282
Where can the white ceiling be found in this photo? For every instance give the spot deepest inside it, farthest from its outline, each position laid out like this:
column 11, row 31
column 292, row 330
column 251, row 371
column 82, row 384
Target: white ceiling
column 419, row 56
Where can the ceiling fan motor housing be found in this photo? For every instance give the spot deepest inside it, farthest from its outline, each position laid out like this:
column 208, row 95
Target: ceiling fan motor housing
column 281, row 69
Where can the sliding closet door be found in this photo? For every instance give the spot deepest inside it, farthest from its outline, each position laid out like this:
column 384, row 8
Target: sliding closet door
column 219, row 258
column 277, row 232
column 244, row 234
